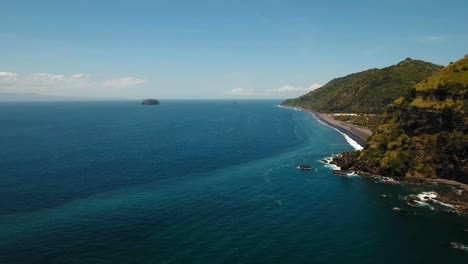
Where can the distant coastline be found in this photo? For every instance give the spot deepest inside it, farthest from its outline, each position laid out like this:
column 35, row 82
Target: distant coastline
column 356, row 133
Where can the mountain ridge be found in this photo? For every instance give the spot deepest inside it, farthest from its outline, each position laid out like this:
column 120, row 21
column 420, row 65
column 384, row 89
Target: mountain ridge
column 368, row 91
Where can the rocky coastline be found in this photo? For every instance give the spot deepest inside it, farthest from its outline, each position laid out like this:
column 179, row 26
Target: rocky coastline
column 454, row 197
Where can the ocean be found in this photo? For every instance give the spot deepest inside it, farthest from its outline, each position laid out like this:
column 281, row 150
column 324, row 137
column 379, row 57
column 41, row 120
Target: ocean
column 198, row 182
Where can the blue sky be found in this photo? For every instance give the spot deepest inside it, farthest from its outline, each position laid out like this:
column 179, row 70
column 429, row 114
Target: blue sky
column 215, row 49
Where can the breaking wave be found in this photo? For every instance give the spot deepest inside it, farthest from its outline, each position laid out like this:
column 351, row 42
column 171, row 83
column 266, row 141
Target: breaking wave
column 350, row 141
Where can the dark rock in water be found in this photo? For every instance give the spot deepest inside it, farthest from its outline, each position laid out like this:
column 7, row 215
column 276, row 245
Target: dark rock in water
column 412, row 199
column 452, row 212
column 340, row 172
column 150, row 102
column 345, row 161
column 399, row 210
column 304, row 167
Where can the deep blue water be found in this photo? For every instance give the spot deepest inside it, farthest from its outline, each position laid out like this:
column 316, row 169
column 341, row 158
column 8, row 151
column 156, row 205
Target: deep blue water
column 197, row 182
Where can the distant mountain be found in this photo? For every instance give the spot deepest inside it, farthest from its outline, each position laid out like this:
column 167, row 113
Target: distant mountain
column 368, row 91
column 425, row 133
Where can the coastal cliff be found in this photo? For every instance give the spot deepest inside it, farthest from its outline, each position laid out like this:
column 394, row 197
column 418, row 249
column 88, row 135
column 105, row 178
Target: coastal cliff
column 423, row 134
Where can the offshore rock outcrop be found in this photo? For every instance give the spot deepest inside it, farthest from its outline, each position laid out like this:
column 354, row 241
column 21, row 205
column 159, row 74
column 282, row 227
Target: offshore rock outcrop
column 150, row 102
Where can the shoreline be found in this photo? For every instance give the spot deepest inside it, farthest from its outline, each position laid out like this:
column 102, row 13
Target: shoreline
column 360, row 136
column 460, row 185
column 454, row 198
column 356, row 133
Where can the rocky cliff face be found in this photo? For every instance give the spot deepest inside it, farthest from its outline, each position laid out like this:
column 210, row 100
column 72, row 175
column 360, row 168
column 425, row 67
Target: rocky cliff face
column 424, row 134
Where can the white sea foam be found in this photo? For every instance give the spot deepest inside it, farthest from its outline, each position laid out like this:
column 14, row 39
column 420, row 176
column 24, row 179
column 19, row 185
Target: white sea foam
column 333, row 166
column 350, row 141
column 426, row 197
column 460, row 246
column 286, row 107
column 445, row 204
column 419, row 203
column 432, row 196
column 388, row 180
column 327, row 163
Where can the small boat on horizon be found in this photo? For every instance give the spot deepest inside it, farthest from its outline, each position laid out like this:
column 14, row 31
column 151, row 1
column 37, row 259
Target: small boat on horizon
column 304, row 167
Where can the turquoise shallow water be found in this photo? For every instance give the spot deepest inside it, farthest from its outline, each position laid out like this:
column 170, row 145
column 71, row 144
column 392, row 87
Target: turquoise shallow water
column 197, row 182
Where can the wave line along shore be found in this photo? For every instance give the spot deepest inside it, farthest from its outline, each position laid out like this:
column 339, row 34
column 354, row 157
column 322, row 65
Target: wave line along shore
column 354, row 132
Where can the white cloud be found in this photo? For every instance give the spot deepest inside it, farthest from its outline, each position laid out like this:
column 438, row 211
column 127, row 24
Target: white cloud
column 47, row 83
column 294, row 89
column 8, row 76
column 284, row 91
column 433, row 39
column 240, row 92
column 78, row 84
column 315, row 86
column 81, row 76
column 47, row 77
column 123, row 82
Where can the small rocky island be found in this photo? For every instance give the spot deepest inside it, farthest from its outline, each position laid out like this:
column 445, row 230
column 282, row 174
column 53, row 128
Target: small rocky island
column 150, row 102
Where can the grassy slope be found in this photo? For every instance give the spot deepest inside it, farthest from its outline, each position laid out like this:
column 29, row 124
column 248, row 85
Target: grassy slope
column 453, row 73
column 368, row 91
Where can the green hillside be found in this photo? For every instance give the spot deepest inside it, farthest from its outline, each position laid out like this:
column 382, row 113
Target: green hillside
column 368, row 91
column 453, row 73
column 425, row 133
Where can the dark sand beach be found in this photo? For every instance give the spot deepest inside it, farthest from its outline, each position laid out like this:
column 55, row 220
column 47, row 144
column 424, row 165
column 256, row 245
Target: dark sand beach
column 357, row 133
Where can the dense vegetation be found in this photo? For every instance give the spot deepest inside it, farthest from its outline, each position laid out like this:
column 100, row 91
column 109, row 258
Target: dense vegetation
column 368, row 91
column 425, row 133
column 367, row 121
